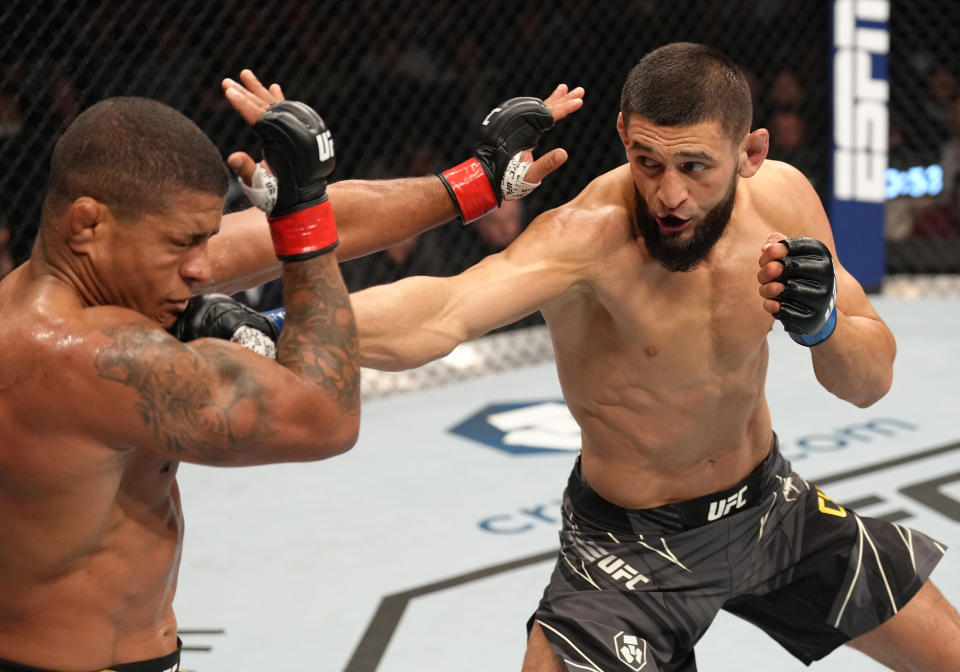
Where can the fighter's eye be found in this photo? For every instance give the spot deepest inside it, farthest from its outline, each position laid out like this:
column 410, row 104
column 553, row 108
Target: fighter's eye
column 647, row 162
column 693, row 166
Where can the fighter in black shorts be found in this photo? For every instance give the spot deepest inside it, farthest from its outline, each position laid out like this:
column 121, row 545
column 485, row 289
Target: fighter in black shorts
column 660, row 283
column 636, row 586
column 168, row 663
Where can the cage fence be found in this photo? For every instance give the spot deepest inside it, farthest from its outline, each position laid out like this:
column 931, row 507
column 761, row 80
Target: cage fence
column 404, row 85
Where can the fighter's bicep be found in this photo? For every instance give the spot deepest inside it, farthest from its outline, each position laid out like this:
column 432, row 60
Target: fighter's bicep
column 520, row 280
column 210, row 402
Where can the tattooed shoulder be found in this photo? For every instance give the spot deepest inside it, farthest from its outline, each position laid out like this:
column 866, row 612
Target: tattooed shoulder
column 174, row 387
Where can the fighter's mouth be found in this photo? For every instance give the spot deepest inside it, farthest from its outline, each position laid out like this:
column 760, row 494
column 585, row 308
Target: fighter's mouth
column 179, row 306
column 672, row 223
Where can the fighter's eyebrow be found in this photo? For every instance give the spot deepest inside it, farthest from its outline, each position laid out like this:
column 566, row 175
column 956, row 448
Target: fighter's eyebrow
column 686, row 154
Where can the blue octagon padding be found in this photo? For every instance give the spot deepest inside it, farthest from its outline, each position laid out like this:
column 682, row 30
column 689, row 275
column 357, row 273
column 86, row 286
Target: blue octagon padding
column 478, row 429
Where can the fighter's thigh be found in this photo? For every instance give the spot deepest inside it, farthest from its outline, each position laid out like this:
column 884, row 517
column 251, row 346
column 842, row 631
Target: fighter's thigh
column 923, row 637
column 539, row 657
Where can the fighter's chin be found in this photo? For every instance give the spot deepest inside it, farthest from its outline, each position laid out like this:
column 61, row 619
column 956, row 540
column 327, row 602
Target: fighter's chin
column 167, row 318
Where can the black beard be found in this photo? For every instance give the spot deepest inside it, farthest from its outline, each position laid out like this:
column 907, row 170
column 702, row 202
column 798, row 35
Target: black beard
column 676, row 255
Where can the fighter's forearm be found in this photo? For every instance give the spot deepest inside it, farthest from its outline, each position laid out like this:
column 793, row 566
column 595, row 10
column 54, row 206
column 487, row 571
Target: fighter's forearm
column 856, row 362
column 371, row 215
column 406, row 323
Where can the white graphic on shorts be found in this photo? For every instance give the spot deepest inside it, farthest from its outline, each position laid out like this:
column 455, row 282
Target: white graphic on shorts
column 631, row 651
column 615, row 568
column 790, row 492
column 666, row 553
column 620, row 571
column 722, row 507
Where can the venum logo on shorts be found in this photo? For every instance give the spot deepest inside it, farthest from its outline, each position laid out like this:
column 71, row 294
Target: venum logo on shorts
column 722, row 507
column 631, row 651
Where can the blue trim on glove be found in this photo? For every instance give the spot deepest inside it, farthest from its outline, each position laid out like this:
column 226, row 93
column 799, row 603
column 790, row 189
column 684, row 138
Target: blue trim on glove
column 825, row 331
column 278, row 316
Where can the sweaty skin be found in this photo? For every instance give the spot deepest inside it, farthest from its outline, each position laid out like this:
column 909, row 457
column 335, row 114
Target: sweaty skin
column 99, row 404
column 664, row 371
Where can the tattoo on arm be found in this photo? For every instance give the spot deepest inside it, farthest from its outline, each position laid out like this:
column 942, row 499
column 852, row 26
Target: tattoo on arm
column 174, row 396
column 319, row 339
column 175, row 387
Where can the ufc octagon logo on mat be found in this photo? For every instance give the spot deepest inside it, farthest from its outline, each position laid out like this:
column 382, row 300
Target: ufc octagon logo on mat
column 524, row 428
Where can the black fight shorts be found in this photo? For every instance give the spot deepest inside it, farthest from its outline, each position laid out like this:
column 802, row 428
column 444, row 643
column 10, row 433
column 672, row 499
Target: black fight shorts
column 167, row 663
column 636, row 589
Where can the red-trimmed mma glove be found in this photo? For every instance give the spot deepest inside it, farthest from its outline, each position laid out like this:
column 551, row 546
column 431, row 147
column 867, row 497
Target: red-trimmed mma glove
column 222, row 316
column 808, row 303
column 299, row 148
column 495, row 172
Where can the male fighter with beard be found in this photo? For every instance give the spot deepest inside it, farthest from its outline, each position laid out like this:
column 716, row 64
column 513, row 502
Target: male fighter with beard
column 681, row 503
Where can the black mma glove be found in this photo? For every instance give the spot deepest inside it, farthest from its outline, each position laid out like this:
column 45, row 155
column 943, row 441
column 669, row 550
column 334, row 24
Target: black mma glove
column 808, row 302
column 221, row 316
column 479, row 184
column 299, row 149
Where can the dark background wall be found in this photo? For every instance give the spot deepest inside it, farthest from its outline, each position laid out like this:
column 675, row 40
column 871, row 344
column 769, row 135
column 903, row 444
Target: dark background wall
column 404, row 83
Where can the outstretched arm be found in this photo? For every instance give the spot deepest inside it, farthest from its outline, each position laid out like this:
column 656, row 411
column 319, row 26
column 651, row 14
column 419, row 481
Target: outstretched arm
column 371, row 215
column 851, row 347
column 415, row 320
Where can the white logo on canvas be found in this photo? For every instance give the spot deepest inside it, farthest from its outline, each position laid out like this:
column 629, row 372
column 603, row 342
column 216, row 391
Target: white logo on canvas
column 631, row 650
column 325, row 145
column 545, row 425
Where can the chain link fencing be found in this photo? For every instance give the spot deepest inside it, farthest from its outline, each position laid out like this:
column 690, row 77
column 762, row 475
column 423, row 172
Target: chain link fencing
column 923, row 185
column 404, row 84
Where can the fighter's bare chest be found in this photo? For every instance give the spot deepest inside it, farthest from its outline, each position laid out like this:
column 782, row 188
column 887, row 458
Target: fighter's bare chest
column 710, row 317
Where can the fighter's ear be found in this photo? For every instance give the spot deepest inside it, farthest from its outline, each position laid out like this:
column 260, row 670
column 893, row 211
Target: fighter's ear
column 622, row 129
column 753, row 151
column 81, row 222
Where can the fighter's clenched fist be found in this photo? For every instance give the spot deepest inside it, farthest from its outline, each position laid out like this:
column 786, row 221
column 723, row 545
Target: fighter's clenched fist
column 799, row 286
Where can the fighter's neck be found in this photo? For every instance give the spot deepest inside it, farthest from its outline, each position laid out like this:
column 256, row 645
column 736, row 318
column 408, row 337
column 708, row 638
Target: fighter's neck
column 54, row 271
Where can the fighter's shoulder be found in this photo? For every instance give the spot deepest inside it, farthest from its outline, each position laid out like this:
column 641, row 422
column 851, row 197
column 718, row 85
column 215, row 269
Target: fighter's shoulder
column 779, row 190
column 598, row 215
column 84, row 334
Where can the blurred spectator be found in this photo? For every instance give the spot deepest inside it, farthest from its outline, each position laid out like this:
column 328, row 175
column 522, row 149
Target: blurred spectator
column 7, row 261
column 11, row 119
column 403, row 259
column 788, row 142
column 950, row 153
column 941, row 98
column 940, row 219
column 498, row 228
column 786, row 91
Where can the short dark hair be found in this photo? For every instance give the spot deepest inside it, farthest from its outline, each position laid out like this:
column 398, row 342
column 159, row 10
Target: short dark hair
column 683, row 83
column 132, row 154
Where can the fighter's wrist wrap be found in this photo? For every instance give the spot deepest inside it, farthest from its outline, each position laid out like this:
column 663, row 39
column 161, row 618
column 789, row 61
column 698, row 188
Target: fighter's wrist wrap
column 262, row 190
column 299, row 149
column 470, row 189
column 496, row 172
column 514, row 186
column 305, row 233
column 808, row 302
